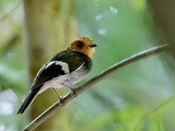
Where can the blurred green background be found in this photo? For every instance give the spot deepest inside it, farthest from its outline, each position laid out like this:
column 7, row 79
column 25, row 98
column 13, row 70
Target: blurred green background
column 139, row 97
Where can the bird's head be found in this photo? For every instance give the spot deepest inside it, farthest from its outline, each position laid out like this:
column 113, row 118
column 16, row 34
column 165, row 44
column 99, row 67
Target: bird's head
column 84, row 45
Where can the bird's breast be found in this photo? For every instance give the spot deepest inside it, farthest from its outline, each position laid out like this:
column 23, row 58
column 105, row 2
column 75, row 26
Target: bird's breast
column 75, row 77
column 67, row 79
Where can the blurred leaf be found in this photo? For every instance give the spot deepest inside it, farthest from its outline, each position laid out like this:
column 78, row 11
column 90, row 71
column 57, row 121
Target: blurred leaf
column 122, row 102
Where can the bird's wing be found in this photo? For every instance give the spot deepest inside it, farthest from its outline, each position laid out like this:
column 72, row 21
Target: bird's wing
column 62, row 63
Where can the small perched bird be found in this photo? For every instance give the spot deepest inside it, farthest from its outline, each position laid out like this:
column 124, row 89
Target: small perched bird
column 66, row 68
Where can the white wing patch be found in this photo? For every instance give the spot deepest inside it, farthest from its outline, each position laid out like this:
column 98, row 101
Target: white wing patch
column 49, row 64
column 80, row 67
column 64, row 65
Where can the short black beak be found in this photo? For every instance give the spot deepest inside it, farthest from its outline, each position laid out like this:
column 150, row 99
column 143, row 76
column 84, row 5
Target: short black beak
column 93, row 45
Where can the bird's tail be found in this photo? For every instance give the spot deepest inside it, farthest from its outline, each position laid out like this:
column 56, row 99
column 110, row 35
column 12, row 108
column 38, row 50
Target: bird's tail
column 27, row 101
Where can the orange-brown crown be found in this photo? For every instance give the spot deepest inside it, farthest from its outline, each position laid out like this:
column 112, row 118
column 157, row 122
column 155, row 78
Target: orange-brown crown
column 84, row 45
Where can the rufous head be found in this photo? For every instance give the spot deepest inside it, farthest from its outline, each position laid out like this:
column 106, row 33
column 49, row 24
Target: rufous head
column 84, row 45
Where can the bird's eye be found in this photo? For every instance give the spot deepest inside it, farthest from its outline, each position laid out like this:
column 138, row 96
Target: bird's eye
column 80, row 44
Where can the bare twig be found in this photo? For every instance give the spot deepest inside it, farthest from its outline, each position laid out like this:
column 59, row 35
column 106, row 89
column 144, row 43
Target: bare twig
column 93, row 81
column 10, row 43
column 10, row 12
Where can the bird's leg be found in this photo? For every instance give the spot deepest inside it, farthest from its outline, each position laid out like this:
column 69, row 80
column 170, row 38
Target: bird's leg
column 55, row 92
column 73, row 92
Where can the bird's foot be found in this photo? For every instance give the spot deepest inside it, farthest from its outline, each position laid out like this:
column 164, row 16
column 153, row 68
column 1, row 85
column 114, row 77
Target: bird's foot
column 73, row 92
column 61, row 101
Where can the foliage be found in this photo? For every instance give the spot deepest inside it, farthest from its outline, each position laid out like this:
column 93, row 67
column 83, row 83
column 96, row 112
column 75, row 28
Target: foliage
column 137, row 98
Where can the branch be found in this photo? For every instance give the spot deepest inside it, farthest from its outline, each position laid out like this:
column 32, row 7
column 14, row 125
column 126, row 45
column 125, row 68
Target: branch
column 12, row 10
column 37, row 121
column 10, row 43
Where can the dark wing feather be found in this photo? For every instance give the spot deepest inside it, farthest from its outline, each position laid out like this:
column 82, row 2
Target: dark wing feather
column 46, row 74
column 73, row 59
column 28, row 100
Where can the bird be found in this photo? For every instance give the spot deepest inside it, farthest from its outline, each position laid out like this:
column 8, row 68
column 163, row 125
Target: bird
column 65, row 69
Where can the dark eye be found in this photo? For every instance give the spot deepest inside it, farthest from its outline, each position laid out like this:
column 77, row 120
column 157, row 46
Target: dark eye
column 80, row 44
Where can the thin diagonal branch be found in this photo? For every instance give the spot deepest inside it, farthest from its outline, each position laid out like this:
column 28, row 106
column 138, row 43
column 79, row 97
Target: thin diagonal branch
column 92, row 81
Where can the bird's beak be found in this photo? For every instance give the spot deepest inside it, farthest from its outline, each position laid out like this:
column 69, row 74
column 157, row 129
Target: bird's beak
column 93, row 45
